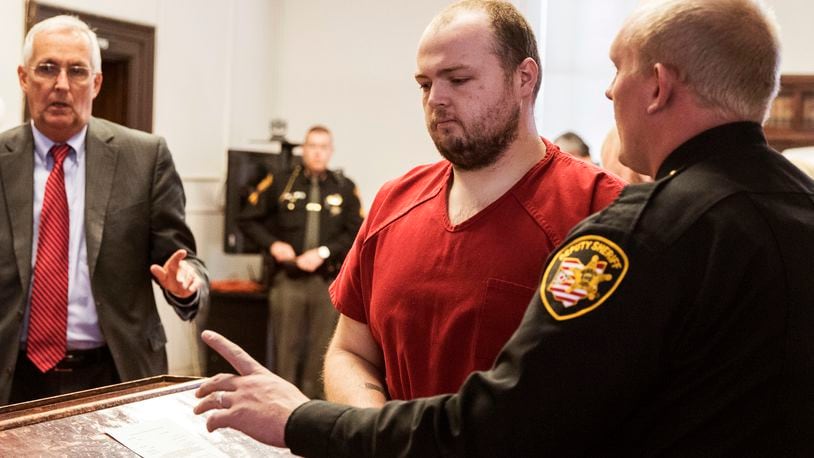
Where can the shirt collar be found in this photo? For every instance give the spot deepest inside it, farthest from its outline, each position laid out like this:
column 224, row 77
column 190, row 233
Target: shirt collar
column 725, row 139
column 43, row 144
column 320, row 176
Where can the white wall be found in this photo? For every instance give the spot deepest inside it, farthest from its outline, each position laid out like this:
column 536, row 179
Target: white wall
column 12, row 19
column 253, row 62
column 796, row 34
column 576, row 68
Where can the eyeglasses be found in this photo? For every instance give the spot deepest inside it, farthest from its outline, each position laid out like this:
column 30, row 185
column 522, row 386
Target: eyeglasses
column 50, row 71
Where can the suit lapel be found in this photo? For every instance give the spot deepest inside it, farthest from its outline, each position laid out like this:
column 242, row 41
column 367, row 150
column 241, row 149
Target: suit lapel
column 101, row 154
column 17, row 168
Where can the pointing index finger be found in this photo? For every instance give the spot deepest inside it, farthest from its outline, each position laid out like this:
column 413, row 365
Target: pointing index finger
column 236, row 356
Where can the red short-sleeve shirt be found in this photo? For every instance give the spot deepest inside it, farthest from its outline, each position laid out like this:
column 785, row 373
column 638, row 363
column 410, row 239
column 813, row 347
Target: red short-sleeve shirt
column 442, row 299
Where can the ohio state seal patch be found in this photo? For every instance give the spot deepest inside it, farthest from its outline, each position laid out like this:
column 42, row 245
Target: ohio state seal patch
column 581, row 276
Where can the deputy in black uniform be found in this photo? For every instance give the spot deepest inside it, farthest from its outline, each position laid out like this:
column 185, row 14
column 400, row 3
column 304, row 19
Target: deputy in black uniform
column 308, row 218
column 676, row 322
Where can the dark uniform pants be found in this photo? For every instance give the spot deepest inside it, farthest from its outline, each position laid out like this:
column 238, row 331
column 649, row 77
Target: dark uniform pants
column 302, row 321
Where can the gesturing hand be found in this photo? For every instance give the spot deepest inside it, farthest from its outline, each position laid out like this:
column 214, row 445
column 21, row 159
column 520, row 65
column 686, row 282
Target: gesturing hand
column 256, row 402
column 176, row 276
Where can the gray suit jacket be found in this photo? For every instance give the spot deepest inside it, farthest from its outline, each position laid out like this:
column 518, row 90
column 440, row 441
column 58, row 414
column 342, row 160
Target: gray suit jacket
column 134, row 217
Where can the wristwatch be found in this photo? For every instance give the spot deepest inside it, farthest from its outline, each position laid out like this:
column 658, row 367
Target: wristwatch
column 323, row 252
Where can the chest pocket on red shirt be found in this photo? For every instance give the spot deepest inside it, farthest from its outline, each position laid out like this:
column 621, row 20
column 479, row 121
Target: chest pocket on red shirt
column 499, row 315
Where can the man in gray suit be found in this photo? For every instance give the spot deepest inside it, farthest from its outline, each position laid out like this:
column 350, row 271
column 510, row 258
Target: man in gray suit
column 90, row 212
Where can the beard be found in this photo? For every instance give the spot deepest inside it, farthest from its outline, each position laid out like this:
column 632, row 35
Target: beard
column 482, row 142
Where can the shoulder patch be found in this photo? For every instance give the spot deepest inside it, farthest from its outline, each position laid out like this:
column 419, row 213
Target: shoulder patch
column 581, row 276
column 254, row 197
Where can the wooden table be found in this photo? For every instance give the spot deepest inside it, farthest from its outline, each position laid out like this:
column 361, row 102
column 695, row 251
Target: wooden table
column 75, row 424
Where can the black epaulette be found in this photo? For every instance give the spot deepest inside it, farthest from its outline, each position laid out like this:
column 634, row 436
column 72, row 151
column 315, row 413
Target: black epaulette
column 339, row 176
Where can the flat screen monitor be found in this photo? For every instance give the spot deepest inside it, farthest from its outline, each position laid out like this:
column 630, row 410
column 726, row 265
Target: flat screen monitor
column 245, row 168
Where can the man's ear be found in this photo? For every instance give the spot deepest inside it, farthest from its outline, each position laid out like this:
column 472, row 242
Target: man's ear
column 23, row 77
column 528, row 71
column 97, row 84
column 665, row 79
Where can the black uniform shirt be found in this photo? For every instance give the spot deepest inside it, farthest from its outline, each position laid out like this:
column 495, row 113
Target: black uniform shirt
column 679, row 321
column 276, row 211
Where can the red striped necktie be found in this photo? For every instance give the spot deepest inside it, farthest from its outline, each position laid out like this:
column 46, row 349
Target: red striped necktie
column 47, row 328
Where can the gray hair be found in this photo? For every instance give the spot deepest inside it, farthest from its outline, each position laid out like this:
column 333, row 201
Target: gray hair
column 64, row 22
column 726, row 51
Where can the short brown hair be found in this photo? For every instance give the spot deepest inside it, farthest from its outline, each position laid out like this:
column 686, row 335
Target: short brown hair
column 318, row 128
column 574, row 144
column 514, row 37
column 727, row 51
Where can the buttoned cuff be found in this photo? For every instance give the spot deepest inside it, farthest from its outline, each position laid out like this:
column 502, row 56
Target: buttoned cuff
column 183, row 302
column 186, row 309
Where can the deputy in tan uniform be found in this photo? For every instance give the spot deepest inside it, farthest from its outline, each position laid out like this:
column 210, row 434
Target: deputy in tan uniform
column 307, row 218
